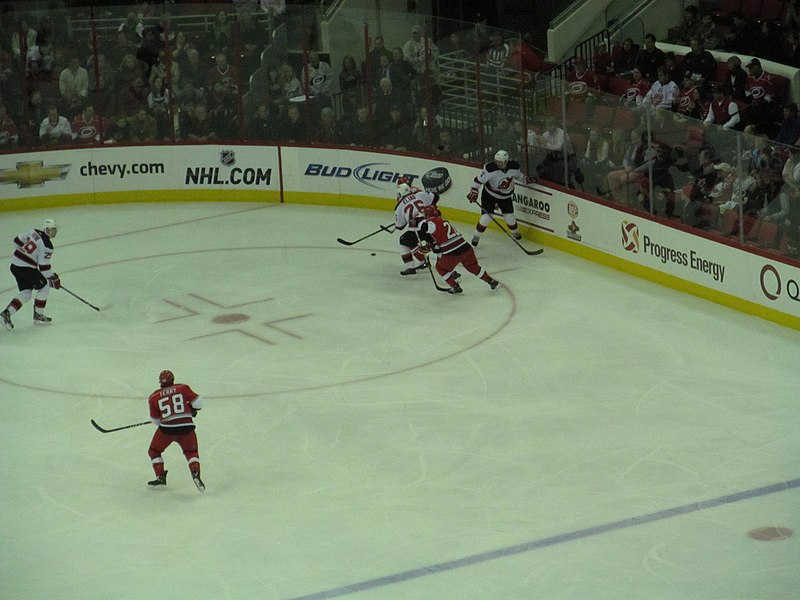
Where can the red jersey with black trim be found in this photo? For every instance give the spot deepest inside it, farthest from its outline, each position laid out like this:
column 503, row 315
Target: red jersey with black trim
column 442, row 235
column 171, row 406
column 760, row 88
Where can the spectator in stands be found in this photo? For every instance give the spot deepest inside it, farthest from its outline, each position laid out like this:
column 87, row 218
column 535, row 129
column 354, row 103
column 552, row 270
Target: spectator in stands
column 663, row 93
column 262, row 126
column 360, row 128
column 658, row 160
column 225, row 73
column 760, row 93
column 582, row 82
column 594, row 162
column 617, row 149
column 294, row 128
column 119, row 49
column 402, row 75
column 142, row 127
column 221, row 33
column 149, row 48
column 382, row 70
column 320, row 78
column 736, row 80
column 169, row 73
column 453, row 44
column 688, row 29
column 73, row 86
column 330, row 130
column 395, row 133
column 674, row 70
column 199, row 127
column 104, row 68
column 449, row 144
column 130, row 69
column 498, row 53
column 194, row 70
column 374, row 59
column 9, row 135
column 34, row 113
column 637, row 90
column 426, row 129
column 87, row 127
column 189, row 97
column 791, row 15
column 621, row 183
column 251, row 37
column 789, row 133
column 785, row 207
column 414, row 51
column 503, row 135
column 790, row 49
column 740, row 37
column 290, row 84
column 722, row 111
column 386, row 97
column 696, row 195
column 180, row 47
column 603, row 64
column 767, row 42
column 132, row 28
column 158, row 104
column 700, row 63
column 649, row 58
column 55, row 129
column 625, row 58
column 350, row 76
column 689, row 102
column 709, row 33
column 134, row 97
column 22, row 38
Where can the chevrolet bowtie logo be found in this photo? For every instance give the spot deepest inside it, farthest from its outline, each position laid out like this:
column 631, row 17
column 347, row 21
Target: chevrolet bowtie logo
column 29, row 174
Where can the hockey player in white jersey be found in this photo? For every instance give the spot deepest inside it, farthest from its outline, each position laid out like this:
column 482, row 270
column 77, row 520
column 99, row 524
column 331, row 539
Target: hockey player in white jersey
column 408, row 213
column 497, row 179
column 30, row 265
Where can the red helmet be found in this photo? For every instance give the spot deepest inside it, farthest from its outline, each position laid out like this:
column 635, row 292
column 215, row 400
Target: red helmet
column 430, row 211
column 166, row 378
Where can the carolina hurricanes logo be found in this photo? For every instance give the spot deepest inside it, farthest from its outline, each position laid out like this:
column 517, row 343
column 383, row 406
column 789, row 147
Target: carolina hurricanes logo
column 757, row 92
column 578, row 87
column 630, row 237
column 319, row 79
column 87, row 131
column 632, row 93
column 683, row 102
column 4, row 137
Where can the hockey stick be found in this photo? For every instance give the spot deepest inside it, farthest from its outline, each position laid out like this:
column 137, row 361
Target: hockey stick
column 435, row 284
column 386, row 228
column 96, row 426
column 513, row 239
column 79, row 298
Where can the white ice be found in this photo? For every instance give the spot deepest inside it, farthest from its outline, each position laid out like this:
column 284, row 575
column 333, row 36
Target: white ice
column 368, row 437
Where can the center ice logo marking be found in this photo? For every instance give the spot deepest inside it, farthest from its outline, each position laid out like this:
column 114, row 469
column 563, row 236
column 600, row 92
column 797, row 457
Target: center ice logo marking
column 229, row 318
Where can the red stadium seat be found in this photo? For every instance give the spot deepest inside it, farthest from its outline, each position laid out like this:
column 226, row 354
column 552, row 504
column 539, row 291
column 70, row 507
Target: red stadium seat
column 618, row 85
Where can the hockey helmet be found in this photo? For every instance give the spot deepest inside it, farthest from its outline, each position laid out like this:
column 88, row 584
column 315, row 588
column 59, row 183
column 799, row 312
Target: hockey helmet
column 501, row 156
column 166, row 378
column 49, row 227
column 430, row 211
column 403, row 190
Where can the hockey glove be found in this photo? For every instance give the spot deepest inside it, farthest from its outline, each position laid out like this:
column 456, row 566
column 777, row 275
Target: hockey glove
column 54, row 280
column 530, row 179
column 472, row 196
column 424, row 247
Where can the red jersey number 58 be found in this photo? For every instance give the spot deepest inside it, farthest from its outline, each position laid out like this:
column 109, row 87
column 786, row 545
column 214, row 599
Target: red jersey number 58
column 172, row 405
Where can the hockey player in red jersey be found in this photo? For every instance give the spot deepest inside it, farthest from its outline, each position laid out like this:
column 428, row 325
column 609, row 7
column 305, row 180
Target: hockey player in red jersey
column 30, row 265
column 438, row 235
column 407, row 213
column 497, row 179
column 172, row 408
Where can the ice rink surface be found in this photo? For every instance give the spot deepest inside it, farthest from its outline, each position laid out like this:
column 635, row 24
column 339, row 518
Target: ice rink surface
column 575, row 434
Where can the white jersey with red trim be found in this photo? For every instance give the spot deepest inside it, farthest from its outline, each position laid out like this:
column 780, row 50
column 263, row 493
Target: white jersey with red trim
column 172, row 406
column 409, row 210
column 33, row 250
column 499, row 182
column 446, row 238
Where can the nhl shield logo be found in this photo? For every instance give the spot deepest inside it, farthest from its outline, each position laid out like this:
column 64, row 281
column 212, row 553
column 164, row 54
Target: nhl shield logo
column 227, row 158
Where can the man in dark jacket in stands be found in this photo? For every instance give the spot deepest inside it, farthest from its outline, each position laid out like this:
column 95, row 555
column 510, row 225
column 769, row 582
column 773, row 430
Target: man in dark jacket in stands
column 700, row 63
column 650, row 58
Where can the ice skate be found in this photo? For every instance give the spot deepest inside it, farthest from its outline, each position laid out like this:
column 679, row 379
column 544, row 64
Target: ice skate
column 160, row 480
column 5, row 319
column 198, row 482
column 475, row 240
column 456, row 289
column 409, row 271
column 41, row 319
column 493, row 283
column 517, row 235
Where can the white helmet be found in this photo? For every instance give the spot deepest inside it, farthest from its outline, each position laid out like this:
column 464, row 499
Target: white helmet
column 403, row 190
column 49, row 227
column 501, row 156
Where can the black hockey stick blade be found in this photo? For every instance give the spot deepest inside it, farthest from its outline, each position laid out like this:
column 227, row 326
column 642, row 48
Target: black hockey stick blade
column 382, row 228
column 436, row 285
column 74, row 295
column 100, row 429
column 513, row 239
